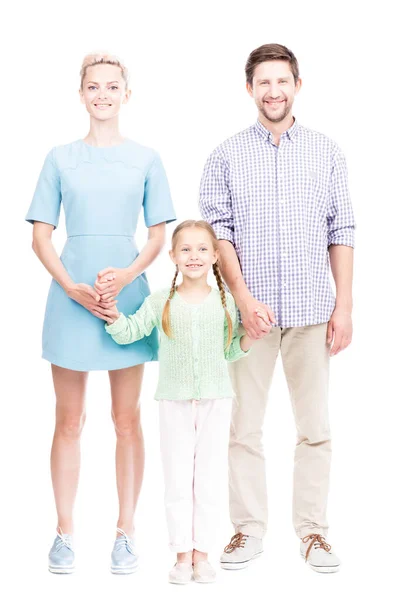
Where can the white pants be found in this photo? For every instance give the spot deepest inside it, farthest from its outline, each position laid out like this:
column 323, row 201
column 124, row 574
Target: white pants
column 194, row 438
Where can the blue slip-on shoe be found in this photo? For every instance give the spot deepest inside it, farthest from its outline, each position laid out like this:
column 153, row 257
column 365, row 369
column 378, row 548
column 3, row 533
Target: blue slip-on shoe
column 61, row 555
column 124, row 559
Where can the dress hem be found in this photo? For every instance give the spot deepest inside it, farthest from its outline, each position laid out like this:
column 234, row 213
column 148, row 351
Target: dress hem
column 75, row 366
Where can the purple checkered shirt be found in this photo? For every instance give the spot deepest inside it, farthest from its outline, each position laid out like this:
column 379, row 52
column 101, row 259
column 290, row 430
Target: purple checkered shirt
column 281, row 207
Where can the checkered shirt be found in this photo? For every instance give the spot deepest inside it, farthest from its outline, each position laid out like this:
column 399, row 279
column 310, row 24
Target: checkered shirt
column 281, row 207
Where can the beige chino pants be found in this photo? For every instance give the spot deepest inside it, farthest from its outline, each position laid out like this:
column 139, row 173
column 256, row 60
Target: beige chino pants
column 305, row 357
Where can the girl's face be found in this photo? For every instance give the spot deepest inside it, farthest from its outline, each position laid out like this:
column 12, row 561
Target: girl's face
column 104, row 91
column 194, row 253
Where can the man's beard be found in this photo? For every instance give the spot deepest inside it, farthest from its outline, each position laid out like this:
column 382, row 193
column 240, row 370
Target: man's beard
column 276, row 118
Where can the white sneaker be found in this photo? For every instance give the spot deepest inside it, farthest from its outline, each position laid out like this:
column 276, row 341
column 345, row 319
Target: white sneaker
column 317, row 552
column 203, row 572
column 181, row 573
column 240, row 551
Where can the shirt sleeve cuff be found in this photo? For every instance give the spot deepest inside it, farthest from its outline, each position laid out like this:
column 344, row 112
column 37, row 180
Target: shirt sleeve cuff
column 223, row 233
column 118, row 325
column 342, row 237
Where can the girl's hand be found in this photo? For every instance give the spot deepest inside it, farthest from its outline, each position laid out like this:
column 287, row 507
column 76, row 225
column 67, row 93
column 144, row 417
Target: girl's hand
column 110, row 282
column 107, row 314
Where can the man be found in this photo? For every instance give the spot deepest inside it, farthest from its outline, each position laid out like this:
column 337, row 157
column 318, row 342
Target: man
column 277, row 197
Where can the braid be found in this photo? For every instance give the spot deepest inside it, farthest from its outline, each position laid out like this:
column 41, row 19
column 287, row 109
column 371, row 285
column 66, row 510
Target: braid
column 218, row 277
column 166, row 321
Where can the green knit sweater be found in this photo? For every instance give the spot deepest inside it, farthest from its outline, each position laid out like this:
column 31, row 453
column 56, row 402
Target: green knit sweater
column 192, row 362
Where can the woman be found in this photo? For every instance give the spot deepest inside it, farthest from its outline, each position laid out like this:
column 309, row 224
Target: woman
column 102, row 181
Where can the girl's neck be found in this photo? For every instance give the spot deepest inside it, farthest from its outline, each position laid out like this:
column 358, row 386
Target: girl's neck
column 104, row 133
column 194, row 289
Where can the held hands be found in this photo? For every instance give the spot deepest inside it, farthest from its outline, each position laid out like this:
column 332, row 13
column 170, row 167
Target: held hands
column 261, row 314
column 257, row 318
column 340, row 331
column 84, row 295
column 107, row 314
column 89, row 298
column 109, row 283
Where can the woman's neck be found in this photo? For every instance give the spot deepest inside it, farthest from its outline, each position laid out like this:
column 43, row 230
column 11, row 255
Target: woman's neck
column 104, row 133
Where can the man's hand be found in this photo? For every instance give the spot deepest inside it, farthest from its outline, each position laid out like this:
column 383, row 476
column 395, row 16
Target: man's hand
column 340, row 331
column 256, row 326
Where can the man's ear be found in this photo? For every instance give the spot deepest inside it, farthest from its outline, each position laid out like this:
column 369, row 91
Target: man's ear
column 298, row 86
column 249, row 89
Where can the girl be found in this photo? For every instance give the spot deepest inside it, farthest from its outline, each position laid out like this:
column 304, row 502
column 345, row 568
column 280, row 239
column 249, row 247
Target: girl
column 103, row 181
column 198, row 327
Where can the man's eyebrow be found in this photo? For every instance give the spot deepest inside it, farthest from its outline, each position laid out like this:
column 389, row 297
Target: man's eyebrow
column 108, row 82
column 266, row 78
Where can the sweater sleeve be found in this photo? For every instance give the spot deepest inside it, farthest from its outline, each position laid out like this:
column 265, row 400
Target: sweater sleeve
column 234, row 352
column 126, row 330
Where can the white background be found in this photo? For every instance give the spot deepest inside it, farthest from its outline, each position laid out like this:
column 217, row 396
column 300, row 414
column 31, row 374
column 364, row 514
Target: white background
column 187, row 75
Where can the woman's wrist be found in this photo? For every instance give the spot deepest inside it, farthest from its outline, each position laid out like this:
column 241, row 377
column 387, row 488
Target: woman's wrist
column 69, row 287
column 131, row 272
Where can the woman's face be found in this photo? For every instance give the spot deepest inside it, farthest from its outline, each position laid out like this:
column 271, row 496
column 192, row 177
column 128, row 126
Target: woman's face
column 103, row 91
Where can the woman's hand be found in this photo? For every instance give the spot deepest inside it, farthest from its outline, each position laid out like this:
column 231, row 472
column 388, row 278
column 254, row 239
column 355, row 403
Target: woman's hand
column 110, row 282
column 85, row 295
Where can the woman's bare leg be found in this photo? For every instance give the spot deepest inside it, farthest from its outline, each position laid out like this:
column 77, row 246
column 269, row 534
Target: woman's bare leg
column 125, row 391
column 70, row 389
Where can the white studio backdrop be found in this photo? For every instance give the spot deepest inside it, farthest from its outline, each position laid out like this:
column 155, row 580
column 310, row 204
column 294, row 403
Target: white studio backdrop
column 187, row 76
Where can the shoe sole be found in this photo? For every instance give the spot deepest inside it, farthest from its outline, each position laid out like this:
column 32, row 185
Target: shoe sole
column 124, row 570
column 317, row 569
column 61, row 570
column 239, row 565
column 179, row 582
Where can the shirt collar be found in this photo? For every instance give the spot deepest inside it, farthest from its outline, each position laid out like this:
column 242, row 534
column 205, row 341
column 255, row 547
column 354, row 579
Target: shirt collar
column 290, row 133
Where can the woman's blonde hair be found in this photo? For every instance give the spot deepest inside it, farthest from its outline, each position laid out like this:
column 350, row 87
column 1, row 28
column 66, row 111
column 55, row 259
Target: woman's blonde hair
column 103, row 58
column 166, row 319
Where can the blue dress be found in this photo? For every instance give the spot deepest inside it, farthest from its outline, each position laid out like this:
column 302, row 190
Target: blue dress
column 102, row 191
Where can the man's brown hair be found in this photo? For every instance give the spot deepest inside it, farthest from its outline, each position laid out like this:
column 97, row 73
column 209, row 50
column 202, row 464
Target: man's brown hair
column 271, row 52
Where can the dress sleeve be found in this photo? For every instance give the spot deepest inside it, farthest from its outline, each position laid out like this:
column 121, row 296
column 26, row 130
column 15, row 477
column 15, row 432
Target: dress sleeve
column 46, row 201
column 126, row 330
column 157, row 202
column 234, row 352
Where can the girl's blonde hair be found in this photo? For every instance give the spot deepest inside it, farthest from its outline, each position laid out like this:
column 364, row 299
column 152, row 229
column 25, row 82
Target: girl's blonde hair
column 166, row 319
column 103, row 58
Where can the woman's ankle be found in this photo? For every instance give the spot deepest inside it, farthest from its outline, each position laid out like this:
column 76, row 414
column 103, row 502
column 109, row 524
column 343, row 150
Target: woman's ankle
column 65, row 528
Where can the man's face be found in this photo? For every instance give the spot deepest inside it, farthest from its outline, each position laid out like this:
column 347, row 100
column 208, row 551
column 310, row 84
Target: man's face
column 273, row 89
